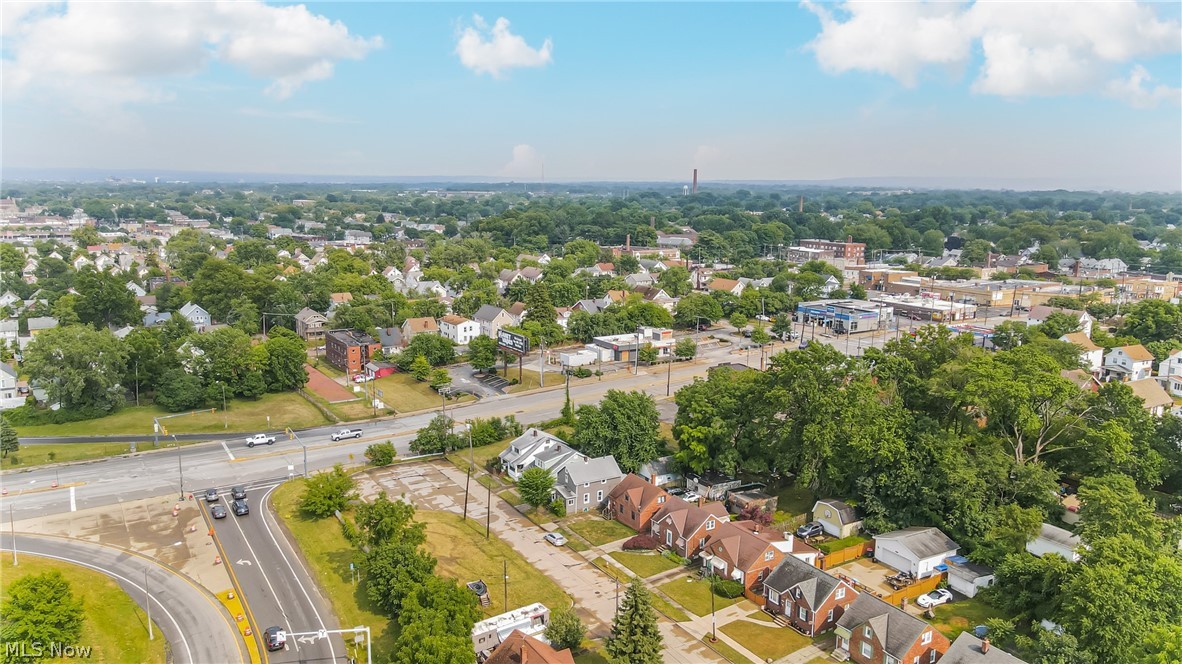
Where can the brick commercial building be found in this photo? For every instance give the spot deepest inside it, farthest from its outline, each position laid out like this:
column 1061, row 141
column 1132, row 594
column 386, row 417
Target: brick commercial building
column 349, row 350
column 854, row 253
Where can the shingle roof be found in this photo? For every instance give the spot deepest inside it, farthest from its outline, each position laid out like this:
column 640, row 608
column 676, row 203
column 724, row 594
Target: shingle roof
column 923, row 542
column 687, row 517
column 720, row 284
column 1151, row 392
column 487, row 312
column 966, row 649
column 424, row 324
column 815, row 585
column 307, row 315
column 844, row 513
column 635, row 490
column 1138, row 352
column 1080, row 339
column 738, row 545
column 520, row 648
column 1063, row 537
column 896, row 629
column 581, row 471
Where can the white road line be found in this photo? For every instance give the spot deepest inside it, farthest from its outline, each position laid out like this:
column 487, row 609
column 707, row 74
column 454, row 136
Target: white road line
column 73, row 504
column 227, row 449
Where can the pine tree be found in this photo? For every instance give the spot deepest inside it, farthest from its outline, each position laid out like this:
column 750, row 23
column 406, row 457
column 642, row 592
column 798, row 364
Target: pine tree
column 568, row 408
column 635, row 637
column 8, row 438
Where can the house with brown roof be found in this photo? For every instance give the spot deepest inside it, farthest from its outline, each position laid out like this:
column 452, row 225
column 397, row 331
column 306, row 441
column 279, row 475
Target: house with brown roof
column 732, row 286
column 1091, row 356
column 516, row 313
column 1157, row 401
column 310, row 324
column 634, row 501
column 744, row 551
column 1128, row 363
column 459, row 329
column 415, row 326
column 806, row 598
column 685, row 527
column 870, row 631
column 520, row 648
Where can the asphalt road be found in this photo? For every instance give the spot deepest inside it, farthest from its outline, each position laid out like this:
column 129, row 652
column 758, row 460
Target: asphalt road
column 195, row 624
column 270, row 576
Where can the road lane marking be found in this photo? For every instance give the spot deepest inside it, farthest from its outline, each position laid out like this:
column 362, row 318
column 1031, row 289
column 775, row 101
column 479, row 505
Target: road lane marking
column 237, row 587
column 227, row 449
column 73, row 504
column 262, row 570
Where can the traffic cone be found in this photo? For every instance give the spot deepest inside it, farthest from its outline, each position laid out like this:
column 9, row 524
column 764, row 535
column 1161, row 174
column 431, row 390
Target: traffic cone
column 248, row 632
column 217, row 560
column 230, row 595
column 241, row 617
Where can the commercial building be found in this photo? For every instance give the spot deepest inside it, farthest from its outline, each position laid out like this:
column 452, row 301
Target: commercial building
column 349, row 350
column 844, row 316
column 623, row 347
column 853, row 253
column 926, row 307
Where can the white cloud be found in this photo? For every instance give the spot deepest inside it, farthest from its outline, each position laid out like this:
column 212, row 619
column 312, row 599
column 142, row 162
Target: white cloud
column 1028, row 49
column 526, row 163
column 119, row 52
column 1134, row 92
column 496, row 51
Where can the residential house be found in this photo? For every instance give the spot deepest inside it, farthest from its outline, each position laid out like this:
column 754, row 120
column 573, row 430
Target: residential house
column 37, row 325
column 638, row 279
column 349, row 350
column 809, row 599
column 968, row 649
column 415, row 326
column 9, row 398
column 491, row 319
column 1082, row 379
column 9, row 331
column 390, row 339
column 459, row 329
column 967, row 577
column 520, row 648
column 1039, row 314
column 870, row 631
column 8, row 298
column 531, row 274
column 1091, row 356
column 917, row 550
column 661, row 472
column 544, row 259
column 336, row 300
column 1128, row 363
column 196, row 315
column 732, row 286
column 583, row 484
column 1053, row 539
column 310, row 324
column 634, row 501
column 490, row 633
column 136, row 289
column 524, row 452
column 392, row 274
column 831, row 284
column 152, row 319
column 516, row 313
column 1169, row 373
column 1157, row 401
column 836, row 518
column 711, row 485
column 685, row 527
column 746, row 552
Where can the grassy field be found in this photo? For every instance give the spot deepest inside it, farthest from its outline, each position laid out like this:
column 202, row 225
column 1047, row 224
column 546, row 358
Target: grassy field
column 403, row 393
column 643, row 565
column 114, row 627
column 956, row 617
column 599, row 531
column 328, row 554
column 726, row 651
column 481, row 455
column 795, row 500
column 768, row 642
column 839, row 544
column 510, row 496
column 527, row 379
column 286, row 409
column 666, row 607
column 465, row 555
column 694, row 595
column 574, row 543
column 592, row 657
column 36, row 455
column 761, row 616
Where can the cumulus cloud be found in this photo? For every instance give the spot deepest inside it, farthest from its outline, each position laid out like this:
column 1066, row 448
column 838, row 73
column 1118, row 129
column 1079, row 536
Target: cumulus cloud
column 495, row 51
column 121, row 51
column 1134, row 92
column 1027, row 49
column 526, row 163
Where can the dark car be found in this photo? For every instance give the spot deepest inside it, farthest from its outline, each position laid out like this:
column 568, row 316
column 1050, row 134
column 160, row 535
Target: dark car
column 211, row 495
column 809, row 530
column 240, row 508
column 238, row 493
column 276, row 638
column 217, row 512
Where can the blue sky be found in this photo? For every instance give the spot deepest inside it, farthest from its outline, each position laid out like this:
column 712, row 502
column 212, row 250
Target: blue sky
column 1072, row 94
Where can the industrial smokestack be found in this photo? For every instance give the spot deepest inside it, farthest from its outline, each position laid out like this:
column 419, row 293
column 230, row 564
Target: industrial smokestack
column 695, row 187
column 628, row 242
column 800, row 209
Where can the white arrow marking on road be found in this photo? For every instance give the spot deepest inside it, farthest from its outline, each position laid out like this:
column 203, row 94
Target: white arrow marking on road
column 311, row 638
column 245, row 562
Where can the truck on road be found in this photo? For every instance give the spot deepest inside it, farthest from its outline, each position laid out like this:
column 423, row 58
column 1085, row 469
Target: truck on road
column 346, row 433
column 260, row 439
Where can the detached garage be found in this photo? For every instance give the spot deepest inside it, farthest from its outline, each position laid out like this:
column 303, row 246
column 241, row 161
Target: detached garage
column 917, row 550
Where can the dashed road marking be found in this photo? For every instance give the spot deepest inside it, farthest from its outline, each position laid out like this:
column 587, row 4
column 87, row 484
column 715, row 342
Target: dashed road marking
column 73, row 504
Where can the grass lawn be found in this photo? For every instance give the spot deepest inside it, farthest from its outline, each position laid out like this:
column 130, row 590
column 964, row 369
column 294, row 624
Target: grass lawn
column 403, row 393
column 726, row 651
column 795, row 500
column 510, row 496
column 327, row 369
column 767, row 642
column 465, row 555
column 527, row 379
column 612, row 570
column 36, row 455
column 643, row 565
column 592, row 657
column 114, row 626
column 820, row 660
column 666, row 607
column 599, row 531
column 480, row 455
column 574, row 543
column 328, row 554
column 286, row 409
column 956, row 617
column 761, row 616
column 839, row 544
column 694, row 595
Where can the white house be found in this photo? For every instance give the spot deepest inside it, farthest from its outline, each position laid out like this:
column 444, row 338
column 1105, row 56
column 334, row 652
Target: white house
column 198, row 316
column 1053, row 539
column 836, row 518
column 1169, row 373
column 1039, row 314
column 1152, row 394
column 136, row 289
column 916, row 549
column 534, row 448
column 1091, row 356
column 659, row 471
column 8, row 394
column 459, row 329
column 967, row 577
column 1128, row 363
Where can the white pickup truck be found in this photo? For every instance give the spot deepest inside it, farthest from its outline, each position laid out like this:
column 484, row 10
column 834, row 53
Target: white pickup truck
column 260, row 439
column 346, row 433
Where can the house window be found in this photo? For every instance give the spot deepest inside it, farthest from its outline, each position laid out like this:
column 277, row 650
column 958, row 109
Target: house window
column 840, row 593
column 866, row 631
column 803, row 613
column 710, row 524
column 660, row 499
column 888, row 659
column 829, row 616
column 932, row 656
column 586, row 498
column 926, row 638
column 916, row 660
column 570, row 501
column 768, row 554
column 702, row 543
column 668, row 538
column 773, row 597
column 867, row 650
column 586, row 484
column 599, row 496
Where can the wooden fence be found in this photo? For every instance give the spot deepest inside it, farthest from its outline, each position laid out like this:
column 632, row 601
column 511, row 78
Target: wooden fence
column 845, row 555
column 921, row 587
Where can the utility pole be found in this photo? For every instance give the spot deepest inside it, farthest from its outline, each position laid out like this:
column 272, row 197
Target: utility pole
column 12, row 525
column 179, row 467
column 488, row 512
column 148, row 605
column 137, row 383
column 468, row 479
column 669, row 375
column 542, row 364
column 506, row 573
column 225, row 418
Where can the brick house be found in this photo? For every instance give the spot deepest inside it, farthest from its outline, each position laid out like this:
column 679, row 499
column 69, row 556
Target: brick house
column 349, row 350
column 685, row 527
column 805, row 597
column 310, row 324
column 874, row 632
column 634, row 501
column 746, row 552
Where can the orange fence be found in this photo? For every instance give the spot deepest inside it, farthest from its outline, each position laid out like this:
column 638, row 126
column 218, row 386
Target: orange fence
column 845, row 555
column 914, row 590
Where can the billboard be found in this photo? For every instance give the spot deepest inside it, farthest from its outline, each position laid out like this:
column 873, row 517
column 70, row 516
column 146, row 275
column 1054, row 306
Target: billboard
column 513, row 342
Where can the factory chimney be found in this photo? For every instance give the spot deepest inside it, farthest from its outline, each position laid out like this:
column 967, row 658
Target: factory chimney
column 800, row 207
column 628, row 242
column 695, row 188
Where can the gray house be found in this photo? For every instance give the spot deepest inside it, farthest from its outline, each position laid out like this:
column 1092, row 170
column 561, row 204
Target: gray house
column 492, row 319
column 583, row 483
column 197, row 315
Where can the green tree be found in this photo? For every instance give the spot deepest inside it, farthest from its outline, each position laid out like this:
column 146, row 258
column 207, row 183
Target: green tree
column 625, row 425
column 1153, row 320
column 40, row 609
column 217, row 285
column 436, row 437
column 675, row 281
column 178, row 391
column 685, row 348
column 440, row 379
column 565, row 630
column 1010, row 334
column 760, row 336
column 482, row 353
column 327, row 492
column 244, row 315
column 635, row 637
column 1050, row 647
column 1013, row 526
column 286, row 357
column 80, row 367
column 393, row 570
column 696, row 308
column 1162, row 645
column 1029, row 587
column 435, row 624
column 738, row 321
column 65, row 310
column 1059, row 324
column 538, row 307
column 380, row 454
column 1112, row 505
column 103, row 300
column 8, row 438
column 535, row 486
column 420, row 368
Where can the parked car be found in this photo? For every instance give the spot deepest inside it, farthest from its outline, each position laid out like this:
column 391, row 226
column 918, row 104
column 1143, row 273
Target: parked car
column 217, row 512
column 808, row 530
column 690, row 497
column 345, row 433
column 276, row 638
column 677, row 491
column 555, row 538
column 238, row 493
column 211, row 495
column 260, row 439
column 240, row 508
column 934, row 598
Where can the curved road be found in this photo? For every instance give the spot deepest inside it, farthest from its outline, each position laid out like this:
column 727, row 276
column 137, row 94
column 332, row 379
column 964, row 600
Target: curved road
column 196, row 626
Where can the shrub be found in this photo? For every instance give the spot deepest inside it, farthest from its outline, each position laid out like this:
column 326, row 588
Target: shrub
column 558, row 508
column 672, row 555
column 581, row 372
column 642, row 543
column 758, row 514
column 380, row 454
column 726, row 588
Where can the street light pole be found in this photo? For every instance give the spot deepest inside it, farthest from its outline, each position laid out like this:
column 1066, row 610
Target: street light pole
column 148, row 605
column 709, row 560
column 468, row 479
column 12, row 525
column 179, row 467
column 137, row 383
column 225, row 418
